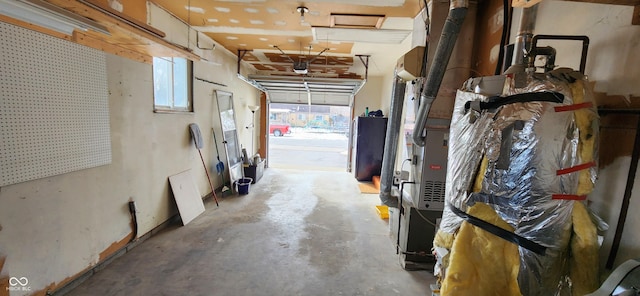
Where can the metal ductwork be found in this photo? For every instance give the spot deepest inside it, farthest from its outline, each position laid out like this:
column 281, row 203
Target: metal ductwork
column 450, row 31
column 523, row 40
column 391, row 143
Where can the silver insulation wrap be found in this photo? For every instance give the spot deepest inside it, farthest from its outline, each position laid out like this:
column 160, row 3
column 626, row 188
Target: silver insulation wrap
column 525, row 144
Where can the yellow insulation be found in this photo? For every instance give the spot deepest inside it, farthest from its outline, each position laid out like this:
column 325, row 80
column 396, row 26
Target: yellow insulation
column 477, row 185
column 443, row 240
column 483, row 264
column 584, row 120
column 583, row 262
column 480, row 262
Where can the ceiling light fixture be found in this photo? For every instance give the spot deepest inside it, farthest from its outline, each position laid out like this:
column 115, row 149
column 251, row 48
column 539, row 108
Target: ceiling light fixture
column 302, row 10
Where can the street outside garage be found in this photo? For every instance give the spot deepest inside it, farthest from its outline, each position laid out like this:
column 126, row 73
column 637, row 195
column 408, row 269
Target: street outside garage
column 309, row 149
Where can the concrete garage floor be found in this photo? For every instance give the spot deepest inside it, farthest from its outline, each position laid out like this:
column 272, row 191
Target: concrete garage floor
column 295, row 233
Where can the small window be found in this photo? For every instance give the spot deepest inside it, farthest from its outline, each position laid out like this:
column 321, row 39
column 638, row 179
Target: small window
column 172, row 84
column 302, row 117
column 319, row 117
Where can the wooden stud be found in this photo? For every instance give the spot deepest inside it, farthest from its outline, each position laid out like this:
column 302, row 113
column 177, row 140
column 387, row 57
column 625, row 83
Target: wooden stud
column 102, row 45
column 264, row 133
column 125, row 40
column 4, row 278
column 635, row 20
column 4, row 286
column 126, row 35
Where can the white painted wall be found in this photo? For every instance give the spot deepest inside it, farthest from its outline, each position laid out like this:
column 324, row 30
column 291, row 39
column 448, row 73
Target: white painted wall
column 614, row 50
column 612, row 62
column 220, row 67
column 377, row 90
column 52, row 229
column 371, row 95
column 607, row 200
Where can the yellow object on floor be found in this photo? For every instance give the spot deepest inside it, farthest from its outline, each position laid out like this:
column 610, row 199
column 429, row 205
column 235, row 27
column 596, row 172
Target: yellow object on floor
column 480, row 262
column 366, row 187
column 383, row 212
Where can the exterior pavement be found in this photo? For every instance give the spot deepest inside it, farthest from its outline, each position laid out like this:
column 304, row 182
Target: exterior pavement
column 309, row 150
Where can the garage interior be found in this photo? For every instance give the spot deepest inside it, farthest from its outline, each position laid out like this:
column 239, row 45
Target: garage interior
column 98, row 153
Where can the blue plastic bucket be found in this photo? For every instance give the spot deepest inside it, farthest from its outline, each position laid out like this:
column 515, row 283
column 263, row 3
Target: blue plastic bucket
column 243, row 185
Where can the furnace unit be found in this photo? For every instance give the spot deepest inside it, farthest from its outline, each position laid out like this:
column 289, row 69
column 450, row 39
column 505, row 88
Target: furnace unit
column 421, row 179
column 421, row 171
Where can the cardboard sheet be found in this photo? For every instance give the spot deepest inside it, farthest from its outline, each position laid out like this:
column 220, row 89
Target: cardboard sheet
column 187, row 196
column 367, row 187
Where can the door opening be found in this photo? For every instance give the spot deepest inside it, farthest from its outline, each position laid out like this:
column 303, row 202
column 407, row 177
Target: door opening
column 309, row 137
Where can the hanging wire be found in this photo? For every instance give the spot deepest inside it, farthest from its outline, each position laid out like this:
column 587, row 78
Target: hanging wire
column 188, row 24
column 326, row 58
column 425, row 18
column 504, row 37
column 427, row 21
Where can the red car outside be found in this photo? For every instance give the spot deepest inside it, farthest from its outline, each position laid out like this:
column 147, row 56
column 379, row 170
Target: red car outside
column 279, row 130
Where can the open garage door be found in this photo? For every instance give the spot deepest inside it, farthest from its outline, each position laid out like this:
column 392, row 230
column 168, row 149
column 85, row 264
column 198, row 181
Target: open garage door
column 315, row 137
column 309, row 90
column 308, row 126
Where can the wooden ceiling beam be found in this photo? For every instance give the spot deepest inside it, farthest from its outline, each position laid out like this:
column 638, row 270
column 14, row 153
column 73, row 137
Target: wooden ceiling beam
column 89, row 41
column 124, row 34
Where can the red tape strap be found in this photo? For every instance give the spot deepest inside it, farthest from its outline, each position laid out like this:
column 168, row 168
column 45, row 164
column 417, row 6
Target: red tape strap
column 572, row 169
column 568, row 196
column 573, row 107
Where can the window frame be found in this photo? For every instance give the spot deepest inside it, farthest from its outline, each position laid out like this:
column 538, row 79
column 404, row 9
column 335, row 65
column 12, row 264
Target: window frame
column 172, row 108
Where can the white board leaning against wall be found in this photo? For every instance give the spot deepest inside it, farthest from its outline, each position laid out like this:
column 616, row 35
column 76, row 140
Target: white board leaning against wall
column 54, row 111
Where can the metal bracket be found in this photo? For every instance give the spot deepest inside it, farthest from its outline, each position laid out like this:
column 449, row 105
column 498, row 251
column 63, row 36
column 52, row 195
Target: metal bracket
column 241, row 53
column 364, row 58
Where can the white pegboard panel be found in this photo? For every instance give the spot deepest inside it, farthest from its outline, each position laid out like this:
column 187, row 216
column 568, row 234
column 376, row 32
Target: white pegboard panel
column 54, row 109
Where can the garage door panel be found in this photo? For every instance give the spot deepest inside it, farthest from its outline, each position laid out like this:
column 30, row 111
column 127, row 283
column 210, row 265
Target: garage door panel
column 296, row 90
column 330, row 99
column 317, row 98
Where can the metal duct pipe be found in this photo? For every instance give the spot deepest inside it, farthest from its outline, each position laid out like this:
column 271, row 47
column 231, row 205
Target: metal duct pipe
column 450, row 31
column 523, row 40
column 391, row 143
